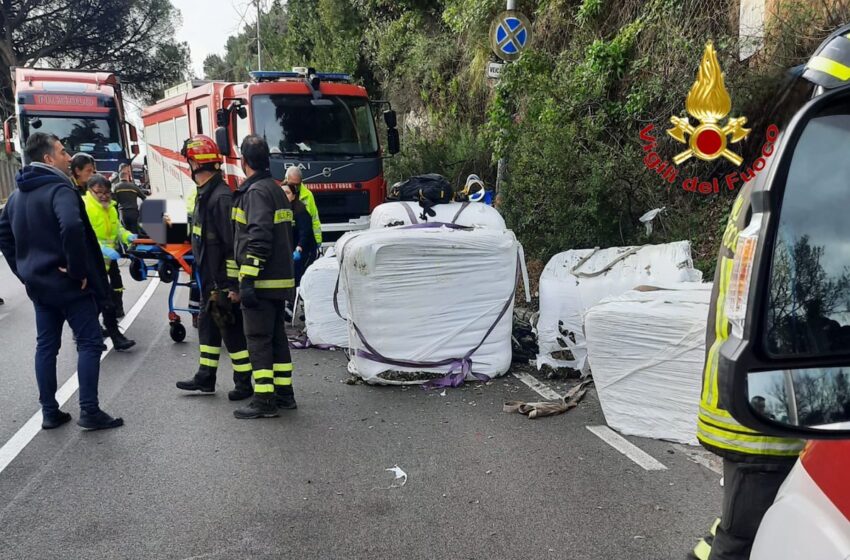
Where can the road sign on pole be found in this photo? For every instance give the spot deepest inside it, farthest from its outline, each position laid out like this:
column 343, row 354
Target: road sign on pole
column 510, row 34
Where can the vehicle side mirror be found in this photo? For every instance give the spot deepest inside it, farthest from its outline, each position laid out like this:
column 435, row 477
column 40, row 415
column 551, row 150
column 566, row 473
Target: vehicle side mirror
column 222, row 139
column 788, row 354
column 134, row 148
column 134, row 134
column 393, row 141
column 391, row 119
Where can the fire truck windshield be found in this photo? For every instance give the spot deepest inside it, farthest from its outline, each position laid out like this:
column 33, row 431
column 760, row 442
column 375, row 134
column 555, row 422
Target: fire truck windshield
column 97, row 136
column 294, row 126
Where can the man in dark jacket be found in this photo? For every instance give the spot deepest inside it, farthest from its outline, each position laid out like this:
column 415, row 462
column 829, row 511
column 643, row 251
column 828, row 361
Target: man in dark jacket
column 263, row 250
column 212, row 248
column 128, row 195
column 51, row 248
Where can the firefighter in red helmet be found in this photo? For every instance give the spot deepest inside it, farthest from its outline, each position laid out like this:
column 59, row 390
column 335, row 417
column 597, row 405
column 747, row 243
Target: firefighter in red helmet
column 220, row 317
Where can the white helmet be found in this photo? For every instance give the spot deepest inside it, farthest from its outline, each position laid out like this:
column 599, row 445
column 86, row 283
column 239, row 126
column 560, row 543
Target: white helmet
column 474, row 188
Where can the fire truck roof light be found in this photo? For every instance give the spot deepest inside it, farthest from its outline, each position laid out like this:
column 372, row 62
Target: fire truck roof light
column 269, row 76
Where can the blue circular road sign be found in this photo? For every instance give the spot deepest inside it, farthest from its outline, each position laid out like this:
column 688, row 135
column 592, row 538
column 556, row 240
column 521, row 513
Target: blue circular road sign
column 510, row 34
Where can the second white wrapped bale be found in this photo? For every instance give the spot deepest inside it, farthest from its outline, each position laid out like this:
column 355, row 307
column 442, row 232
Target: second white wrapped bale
column 424, row 296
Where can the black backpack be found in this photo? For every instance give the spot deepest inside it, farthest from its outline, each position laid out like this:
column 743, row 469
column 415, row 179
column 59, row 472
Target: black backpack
column 428, row 190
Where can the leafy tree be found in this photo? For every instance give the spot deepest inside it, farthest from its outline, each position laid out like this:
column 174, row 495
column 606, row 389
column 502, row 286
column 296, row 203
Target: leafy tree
column 134, row 38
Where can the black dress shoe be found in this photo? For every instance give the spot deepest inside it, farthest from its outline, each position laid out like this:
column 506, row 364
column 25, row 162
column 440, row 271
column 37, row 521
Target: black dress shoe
column 53, row 421
column 98, row 421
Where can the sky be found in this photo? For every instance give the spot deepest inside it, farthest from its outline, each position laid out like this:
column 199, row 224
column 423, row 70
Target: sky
column 208, row 23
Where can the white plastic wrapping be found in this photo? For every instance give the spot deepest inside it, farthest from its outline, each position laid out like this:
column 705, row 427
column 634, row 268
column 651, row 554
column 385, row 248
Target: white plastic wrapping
column 648, row 351
column 427, row 295
column 568, row 288
column 475, row 214
column 323, row 325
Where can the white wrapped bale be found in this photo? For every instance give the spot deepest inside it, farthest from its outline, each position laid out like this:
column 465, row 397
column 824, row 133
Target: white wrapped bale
column 323, row 326
column 473, row 214
column 647, row 351
column 574, row 281
column 426, row 302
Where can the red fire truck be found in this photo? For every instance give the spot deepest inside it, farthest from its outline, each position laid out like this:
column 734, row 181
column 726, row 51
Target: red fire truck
column 84, row 109
column 322, row 123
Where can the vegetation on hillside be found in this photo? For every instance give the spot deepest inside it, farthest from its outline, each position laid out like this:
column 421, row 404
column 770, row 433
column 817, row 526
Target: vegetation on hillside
column 567, row 115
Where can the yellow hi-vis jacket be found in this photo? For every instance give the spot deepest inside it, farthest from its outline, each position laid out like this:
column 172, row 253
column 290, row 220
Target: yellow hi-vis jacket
column 717, row 430
column 305, row 196
column 104, row 222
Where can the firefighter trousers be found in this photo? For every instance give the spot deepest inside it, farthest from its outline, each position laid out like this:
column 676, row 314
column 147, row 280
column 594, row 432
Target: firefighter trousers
column 219, row 322
column 748, row 491
column 268, row 348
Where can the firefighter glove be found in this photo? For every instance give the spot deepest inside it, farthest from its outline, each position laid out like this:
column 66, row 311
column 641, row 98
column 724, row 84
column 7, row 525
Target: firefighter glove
column 248, row 294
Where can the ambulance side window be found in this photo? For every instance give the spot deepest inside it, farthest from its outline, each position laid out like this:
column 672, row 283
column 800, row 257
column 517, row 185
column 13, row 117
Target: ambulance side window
column 809, row 302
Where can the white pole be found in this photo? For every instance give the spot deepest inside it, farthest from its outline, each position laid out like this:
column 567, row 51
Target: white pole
column 501, row 168
column 512, row 4
column 259, row 58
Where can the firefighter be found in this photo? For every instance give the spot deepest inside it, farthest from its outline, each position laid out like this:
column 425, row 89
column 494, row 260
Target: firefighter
column 128, row 195
column 220, row 317
column 294, row 177
column 263, row 248
column 82, row 168
column 103, row 216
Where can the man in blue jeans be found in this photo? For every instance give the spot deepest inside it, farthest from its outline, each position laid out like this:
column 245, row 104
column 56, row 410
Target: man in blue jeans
column 51, row 247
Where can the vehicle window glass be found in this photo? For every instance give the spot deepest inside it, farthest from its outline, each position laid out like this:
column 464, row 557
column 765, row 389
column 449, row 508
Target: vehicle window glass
column 202, row 115
column 243, row 129
column 100, row 137
column 809, row 300
column 293, row 126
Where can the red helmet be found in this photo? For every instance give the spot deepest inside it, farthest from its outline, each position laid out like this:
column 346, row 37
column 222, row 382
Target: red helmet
column 202, row 150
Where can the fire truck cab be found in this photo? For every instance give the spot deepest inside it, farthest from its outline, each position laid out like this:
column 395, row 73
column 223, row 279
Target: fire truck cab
column 321, row 123
column 84, row 109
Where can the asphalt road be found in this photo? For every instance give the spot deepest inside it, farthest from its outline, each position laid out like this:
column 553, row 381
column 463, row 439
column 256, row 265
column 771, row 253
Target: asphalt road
column 184, row 479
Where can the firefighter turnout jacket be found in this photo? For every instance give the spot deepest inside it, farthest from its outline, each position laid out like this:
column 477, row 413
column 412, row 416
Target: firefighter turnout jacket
column 212, row 236
column 263, row 236
column 717, row 430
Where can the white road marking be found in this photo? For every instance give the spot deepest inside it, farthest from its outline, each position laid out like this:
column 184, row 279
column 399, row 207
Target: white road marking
column 621, row 444
column 28, row 431
column 537, row 386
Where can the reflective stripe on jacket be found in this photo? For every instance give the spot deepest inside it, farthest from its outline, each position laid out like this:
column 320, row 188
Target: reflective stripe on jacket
column 212, row 236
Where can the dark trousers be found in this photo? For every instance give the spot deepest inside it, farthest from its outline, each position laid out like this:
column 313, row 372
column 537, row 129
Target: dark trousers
column 219, row 321
column 748, row 492
column 130, row 219
column 81, row 315
column 268, row 347
column 116, row 284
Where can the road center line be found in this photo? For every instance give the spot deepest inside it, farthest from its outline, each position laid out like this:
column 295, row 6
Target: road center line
column 621, row 444
column 537, row 386
column 28, row 431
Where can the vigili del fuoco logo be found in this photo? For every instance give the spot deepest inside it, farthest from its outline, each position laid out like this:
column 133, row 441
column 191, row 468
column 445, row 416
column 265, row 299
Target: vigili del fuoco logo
column 709, row 104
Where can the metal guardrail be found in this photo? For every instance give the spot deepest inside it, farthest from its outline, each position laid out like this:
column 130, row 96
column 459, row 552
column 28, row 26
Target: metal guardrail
column 7, row 179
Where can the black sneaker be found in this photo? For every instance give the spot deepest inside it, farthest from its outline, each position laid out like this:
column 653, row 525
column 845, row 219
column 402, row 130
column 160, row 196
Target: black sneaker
column 53, row 421
column 259, row 407
column 195, row 385
column 98, row 421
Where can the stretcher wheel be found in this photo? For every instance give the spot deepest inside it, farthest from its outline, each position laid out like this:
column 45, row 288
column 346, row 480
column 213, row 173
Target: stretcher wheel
column 138, row 271
column 177, row 332
column 167, row 272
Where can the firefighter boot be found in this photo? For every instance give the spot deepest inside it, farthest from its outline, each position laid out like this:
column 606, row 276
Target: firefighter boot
column 261, row 406
column 285, row 397
column 202, row 381
column 119, row 341
column 242, row 386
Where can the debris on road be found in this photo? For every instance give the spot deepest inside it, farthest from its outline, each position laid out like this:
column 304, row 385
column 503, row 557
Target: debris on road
column 549, row 408
column 399, row 475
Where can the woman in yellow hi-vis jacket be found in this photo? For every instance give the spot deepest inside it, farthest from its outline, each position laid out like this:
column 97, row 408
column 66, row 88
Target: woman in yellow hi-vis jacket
column 103, row 215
